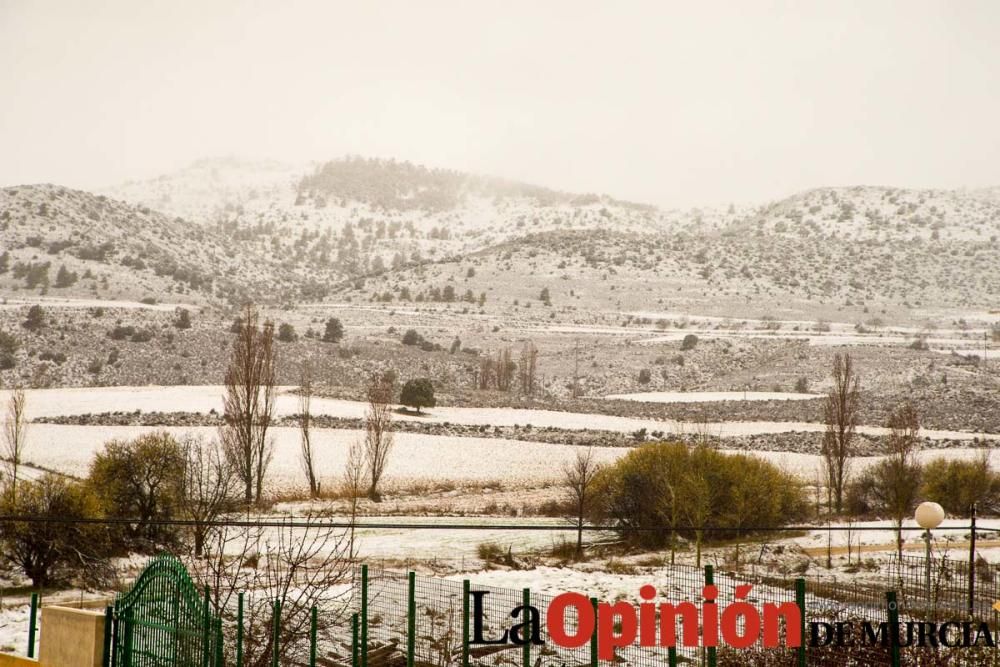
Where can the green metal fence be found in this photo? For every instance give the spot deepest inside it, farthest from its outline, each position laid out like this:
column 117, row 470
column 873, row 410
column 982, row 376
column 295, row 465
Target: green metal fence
column 397, row 618
column 164, row 621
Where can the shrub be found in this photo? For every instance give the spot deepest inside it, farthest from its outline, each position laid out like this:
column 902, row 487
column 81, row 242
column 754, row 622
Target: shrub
column 121, row 332
column 35, row 319
column 668, row 484
column 802, row 385
column 957, row 484
column 286, row 333
column 411, row 337
column 7, row 362
column 142, row 336
column 57, row 358
column 8, row 343
column 50, row 553
column 183, row 320
column 689, row 343
column 645, row 376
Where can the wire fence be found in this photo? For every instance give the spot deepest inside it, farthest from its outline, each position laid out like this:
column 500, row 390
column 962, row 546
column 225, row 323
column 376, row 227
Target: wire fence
column 438, row 617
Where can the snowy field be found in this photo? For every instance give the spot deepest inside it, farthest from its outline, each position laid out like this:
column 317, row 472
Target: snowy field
column 205, row 398
column 415, row 457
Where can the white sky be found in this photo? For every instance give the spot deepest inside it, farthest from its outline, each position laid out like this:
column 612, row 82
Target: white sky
column 674, row 103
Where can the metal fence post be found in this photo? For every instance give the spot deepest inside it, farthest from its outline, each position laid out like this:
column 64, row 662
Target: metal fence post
column 465, row 623
column 275, row 639
column 800, row 600
column 206, row 633
column 710, row 581
column 354, row 640
column 593, row 635
column 239, row 632
column 411, row 618
column 220, row 657
column 312, row 637
column 526, row 635
column 109, row 619
column 364, row 616
column 893, row 606
column 33, row 625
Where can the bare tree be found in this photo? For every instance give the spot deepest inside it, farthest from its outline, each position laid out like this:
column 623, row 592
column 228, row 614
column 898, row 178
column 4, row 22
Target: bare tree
column 14, row 430
column 528, row 368
column 578, row 477
column 298, row 566
column 378, row 430
column 840, row 412
column 249, row 403
column 354, row 479
column 207, row 486
column 898, row 473
column 305, row 424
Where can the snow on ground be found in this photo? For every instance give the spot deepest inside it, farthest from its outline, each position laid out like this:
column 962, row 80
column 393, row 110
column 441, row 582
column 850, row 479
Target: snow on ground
column 203, row 398
column 710, row 396
column 55, row 302
column 943, row 538
column 14, row 629
column 415, row 457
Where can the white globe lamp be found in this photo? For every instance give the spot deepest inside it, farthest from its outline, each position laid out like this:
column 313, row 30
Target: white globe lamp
column 929, row 516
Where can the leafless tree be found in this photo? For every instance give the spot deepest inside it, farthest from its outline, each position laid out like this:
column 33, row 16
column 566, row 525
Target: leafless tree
column 305, row 424
column 354, row 479
column 295, row 566
column 14, row 430
column 249, row 403
column 207, row 487
column 378, row 430
column 578, row 478
column 840, row 412
column 528, row 368
column 898, row 473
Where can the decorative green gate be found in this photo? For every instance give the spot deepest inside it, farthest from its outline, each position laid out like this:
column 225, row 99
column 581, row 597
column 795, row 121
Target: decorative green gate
column 164, row 621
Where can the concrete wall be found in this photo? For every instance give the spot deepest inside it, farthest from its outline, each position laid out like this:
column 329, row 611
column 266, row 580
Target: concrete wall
column 71, row 637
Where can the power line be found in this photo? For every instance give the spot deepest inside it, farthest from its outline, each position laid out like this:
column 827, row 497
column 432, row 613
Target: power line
column 292, row 522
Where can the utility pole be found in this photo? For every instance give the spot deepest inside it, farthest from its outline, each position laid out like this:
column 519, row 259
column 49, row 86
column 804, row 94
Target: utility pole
column 972, row 563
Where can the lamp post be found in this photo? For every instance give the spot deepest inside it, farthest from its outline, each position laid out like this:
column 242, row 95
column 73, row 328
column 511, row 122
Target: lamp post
column 929, row 516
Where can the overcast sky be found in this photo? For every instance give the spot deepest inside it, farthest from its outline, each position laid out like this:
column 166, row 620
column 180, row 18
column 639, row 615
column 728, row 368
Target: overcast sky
column 674, row 103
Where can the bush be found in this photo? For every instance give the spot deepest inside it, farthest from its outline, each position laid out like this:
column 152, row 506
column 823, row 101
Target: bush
column 957, row 484
column 7, row 362
column 645, row 376
column 666, row 484
column 57, row 358
column 121, row 332
column 142, row 336
column 8, row 343
column 183, row 320
column 689, row 343
column 50, row 553
column 411, row 337
column 35, row 319
column 802, row 385
column 418, row 393
column 286, row 333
